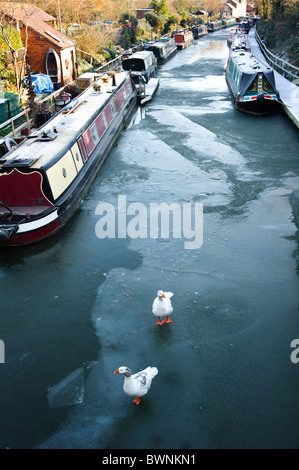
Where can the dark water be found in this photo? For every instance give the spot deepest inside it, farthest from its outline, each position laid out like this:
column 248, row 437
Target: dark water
column 75, row 308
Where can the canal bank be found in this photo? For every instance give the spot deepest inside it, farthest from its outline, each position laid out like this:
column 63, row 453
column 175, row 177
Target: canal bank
column 289, row 91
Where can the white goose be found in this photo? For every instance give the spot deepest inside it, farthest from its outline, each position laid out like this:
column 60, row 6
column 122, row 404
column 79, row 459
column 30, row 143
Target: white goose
column 162, row 306
column 137, row 385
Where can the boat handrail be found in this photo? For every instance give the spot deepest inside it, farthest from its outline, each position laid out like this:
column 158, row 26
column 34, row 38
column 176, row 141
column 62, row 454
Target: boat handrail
column 277, row 62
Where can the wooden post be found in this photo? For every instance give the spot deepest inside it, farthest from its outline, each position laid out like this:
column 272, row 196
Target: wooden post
column 12, row 128
column 27, row 117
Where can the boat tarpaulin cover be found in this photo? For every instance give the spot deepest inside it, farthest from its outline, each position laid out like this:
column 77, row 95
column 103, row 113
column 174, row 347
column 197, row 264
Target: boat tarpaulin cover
column 42, row 83
column 248, row 78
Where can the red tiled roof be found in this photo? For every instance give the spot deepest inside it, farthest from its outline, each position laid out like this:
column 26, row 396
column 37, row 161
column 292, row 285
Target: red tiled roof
column 38, row 21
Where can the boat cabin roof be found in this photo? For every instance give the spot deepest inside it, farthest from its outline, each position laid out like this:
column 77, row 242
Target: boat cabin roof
column 141, row 55
column 166, row 39
column 248, row 63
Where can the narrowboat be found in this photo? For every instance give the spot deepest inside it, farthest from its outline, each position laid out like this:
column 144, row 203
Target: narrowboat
column 199, row 30
column 244, row 26
column 238, row 40
column 214, row 26
column 227, row 22
column 251, row 83
column 183, row 39
column 230, row 37
column 142, row 65
column 164, row 49
column 44, row 178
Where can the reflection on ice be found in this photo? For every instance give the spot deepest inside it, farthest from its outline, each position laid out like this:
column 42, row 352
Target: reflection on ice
column 69, row 391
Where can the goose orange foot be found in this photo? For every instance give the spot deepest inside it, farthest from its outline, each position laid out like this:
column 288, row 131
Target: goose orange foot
column 168, row 320
column 137, row 401
column 159, row 322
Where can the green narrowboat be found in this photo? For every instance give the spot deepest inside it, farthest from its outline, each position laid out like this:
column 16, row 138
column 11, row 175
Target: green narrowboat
column 251, row 83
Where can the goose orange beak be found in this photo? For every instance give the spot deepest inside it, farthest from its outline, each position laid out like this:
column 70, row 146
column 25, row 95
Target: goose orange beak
column 116, row 372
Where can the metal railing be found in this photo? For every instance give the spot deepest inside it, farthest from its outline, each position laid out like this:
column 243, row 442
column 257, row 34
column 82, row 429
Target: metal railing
column 287, row 70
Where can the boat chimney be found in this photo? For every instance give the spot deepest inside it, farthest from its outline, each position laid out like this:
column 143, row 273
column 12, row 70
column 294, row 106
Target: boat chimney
column 112, row 74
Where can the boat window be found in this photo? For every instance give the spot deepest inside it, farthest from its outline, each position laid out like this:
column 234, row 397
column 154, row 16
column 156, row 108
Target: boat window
column 105, row 119
column 136, row 65
column 112, row 106
column 252, row 86
column 94, row 134
column 267, row 85
column 233, row 68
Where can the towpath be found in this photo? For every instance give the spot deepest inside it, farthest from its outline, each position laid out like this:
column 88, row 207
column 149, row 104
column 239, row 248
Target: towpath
column 289, row 92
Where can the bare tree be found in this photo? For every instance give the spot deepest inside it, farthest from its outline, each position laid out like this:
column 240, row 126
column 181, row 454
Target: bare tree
column 8, row 23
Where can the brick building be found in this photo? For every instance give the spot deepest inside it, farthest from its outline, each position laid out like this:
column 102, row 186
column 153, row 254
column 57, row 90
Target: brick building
column 48, row 50
column 140, row 12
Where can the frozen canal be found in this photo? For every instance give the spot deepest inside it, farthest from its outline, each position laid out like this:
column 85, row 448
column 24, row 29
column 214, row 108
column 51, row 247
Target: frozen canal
column 77, row 307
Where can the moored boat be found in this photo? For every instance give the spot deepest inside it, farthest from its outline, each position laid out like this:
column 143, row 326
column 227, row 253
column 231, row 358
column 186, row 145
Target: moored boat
column 199, row 30
column 183, row 38
column 142, row 65
column 238, row 40
column 44, row 178
column 227, row 22
column 164, row 49
column 244, row 25
column 251, row 83
column 214, row 26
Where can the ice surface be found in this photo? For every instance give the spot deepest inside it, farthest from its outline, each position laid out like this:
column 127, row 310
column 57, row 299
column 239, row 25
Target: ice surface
column 69, row 391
